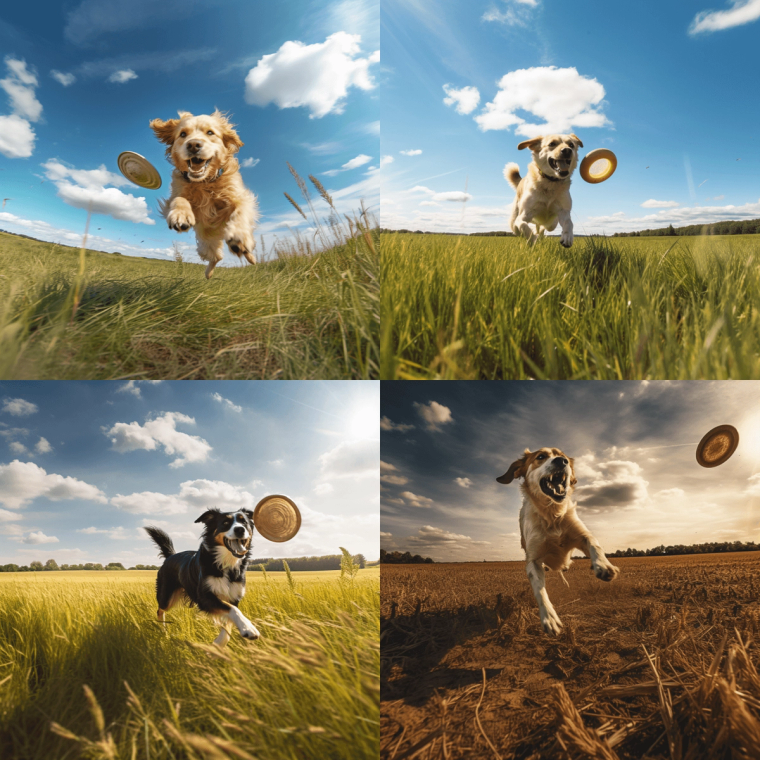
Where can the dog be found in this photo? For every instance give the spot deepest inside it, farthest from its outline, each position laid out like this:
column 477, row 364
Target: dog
column 543, row 197
column 207, row 191
column 212, row 578
column 549, row 527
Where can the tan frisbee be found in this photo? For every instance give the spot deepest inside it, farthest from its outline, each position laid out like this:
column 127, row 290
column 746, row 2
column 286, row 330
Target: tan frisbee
column 277, row 518
column 598, row 166
column 138, row 169
column 717, row 446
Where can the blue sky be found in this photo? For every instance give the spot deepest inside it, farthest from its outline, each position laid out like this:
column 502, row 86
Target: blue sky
column 81, row 80
column 668, row 86
column 444, row 444
column 83, row 465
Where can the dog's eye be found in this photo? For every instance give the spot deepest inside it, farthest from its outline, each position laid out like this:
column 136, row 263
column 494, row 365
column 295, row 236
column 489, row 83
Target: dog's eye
column 553, row 144
column 183, row 134
column 541, row 456
column 210, row 132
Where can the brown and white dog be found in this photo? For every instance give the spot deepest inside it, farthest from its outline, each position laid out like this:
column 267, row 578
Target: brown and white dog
column 543, row 196
column 207, row 190
column 549, row 527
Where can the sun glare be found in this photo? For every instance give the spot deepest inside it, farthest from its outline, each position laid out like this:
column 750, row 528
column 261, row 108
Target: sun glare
column 363, row 422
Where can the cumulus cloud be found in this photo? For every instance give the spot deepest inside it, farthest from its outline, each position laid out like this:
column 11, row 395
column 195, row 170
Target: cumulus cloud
column 394, row 480
column 16, row 137
column 18, row 407
column 434, row 414
column 429, row 537
column 464, row 99
column 354, row 163
column 350, row 459
column 38, row 537
column 385, row 160
column 130, row 387
column 122, row 76
column 65, row 79
column 562, row 98
column 321, row 489
column 18, row 448
column 413, row 500
column 410, row 152
column 161, row 431
column 43, row 446
column 455, row 196
column 22, row 482
column 16, row 134
column 85, row 189
column 387, row 424
column 316, row 76
column 614, row 484
column 249, row 163
column 226, row 402
column 464, row 482
column 115, row 533
column 652, row 203
column 741, row 12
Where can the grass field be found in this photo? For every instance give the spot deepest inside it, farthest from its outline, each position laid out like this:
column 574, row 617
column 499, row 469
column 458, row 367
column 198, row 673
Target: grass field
column 72, row 315
column 82, row 652
column 660, row 664
column 622, row 308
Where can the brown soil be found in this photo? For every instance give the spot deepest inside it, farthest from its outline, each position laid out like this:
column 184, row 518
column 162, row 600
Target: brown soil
column 661, row 663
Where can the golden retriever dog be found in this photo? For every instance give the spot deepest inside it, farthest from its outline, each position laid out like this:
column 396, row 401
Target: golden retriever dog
column 207, row 190
column 543, row 197
column 549, row 527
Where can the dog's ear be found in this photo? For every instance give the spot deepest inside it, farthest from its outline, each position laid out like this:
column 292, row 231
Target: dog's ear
column 248, row 513
column 164, row 129
column 578, row 139
column 230, row 137
column 534, row 144
column 516, row 469
column 208, row 516
column 573, row 479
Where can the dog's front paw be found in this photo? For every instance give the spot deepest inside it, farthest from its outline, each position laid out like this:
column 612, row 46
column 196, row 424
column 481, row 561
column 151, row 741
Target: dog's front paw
column 551, row 623
column 249, row 631
column 606, row 572
column 180, row 220
column 566, row 239
column 242, row 245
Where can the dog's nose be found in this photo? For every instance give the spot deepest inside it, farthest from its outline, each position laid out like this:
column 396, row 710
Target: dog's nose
column 560, row 461
column 193, row 147
column 239, row 532
column 566, row 152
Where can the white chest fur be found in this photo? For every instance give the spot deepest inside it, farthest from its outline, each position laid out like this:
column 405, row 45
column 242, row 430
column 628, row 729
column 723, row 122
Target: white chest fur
column 226, row 591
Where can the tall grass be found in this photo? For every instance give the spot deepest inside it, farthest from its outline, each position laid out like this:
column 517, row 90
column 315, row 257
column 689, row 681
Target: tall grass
column 86, row 671
column 630, row 308
column 310, row 313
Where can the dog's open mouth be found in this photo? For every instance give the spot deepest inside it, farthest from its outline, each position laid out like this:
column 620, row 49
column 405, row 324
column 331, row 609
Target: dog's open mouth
column 196, row 167
column 555, row 485
column 236, row 546
column 557, row 164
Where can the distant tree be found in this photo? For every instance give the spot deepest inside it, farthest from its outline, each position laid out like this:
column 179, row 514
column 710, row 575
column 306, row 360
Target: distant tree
column 51, row 564
column 360, row 560
column 115, row 566
column 36, row 565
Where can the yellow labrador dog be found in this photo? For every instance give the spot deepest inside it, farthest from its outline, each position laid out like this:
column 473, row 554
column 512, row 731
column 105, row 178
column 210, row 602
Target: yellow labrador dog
column 549, row 527
column 207, row 190
column 543, row 197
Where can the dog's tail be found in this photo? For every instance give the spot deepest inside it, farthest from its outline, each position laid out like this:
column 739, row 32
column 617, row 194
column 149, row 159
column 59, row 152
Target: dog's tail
column 512, row 175
column 162, row 541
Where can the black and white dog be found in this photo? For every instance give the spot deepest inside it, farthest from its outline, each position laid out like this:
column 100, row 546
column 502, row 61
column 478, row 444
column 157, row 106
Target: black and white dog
column 212, row 578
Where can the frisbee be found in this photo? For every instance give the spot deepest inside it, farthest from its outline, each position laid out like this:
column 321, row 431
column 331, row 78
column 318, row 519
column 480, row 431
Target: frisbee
column 598, row 166
column 717, row 446
column 277, row 518
column 138, row 169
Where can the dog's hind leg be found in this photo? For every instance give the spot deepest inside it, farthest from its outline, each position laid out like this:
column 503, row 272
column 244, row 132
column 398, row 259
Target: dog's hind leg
column 210, row 250
column 224, row 635
column 522, row 227
column 549, row 617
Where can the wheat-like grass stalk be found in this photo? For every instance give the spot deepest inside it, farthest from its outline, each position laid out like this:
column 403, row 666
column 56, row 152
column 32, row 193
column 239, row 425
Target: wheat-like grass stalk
column 295, row 205
column 321, row 190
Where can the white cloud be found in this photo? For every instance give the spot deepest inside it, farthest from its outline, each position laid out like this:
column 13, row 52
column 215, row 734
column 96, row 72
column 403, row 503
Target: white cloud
column 410, row 152
column 387, row 424
column 18, row 407
column 742, row 12
column 321, row 489
column 464, row 482
column 39, row 537
column 115, row 533
column 249, row 163
column 394, row 480
column 43, row 446
column 18, row 448
column 316, row 76
column 22, row 482
column 226, row 402
column 354, row 163
column 6, row 516
column 19, row 85
column 429, row 536
column 385, row 160
column 615, row 484
column 416, row 501
column 465, row 99
column 651, row 203
column 434, row 414
column 430, row 203
column 387, row 467
column 150, row 503
column 753, row 489
column 16, row 137
column 63, row 78
column 161, row 431
column 455, row 196
column 351, row 459
column 515, row 13
column 562, row 98
column 122, row 76
column 88, row 191
column 130, row 387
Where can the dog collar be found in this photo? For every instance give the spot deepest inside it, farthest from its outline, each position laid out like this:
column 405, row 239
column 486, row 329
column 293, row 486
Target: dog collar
column 553, row 179
column 214, row 179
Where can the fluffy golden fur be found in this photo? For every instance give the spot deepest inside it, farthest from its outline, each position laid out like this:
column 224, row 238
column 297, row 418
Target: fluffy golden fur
column 207, row 191
column 550, row 529
column 543, row 196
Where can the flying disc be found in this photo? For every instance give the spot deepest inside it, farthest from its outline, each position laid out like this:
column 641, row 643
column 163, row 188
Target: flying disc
column 598, row 166
column 277, row 518
column 717, row 446
column 138, row 169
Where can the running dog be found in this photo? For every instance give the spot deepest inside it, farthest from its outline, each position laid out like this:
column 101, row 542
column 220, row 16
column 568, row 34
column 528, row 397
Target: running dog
column 549, row 527
column 212, row 578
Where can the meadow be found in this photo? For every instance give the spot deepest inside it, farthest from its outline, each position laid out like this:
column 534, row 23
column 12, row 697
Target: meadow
column 86, row 671
column 461, row 307
column 309, row 313
column 660, row 664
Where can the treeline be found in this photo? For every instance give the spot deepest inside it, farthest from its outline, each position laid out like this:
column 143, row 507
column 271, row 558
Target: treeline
column 328, row 562
column 495, row 233
column 397, row 558
column 712, row 547
column 51, row 564
column 746, row 227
